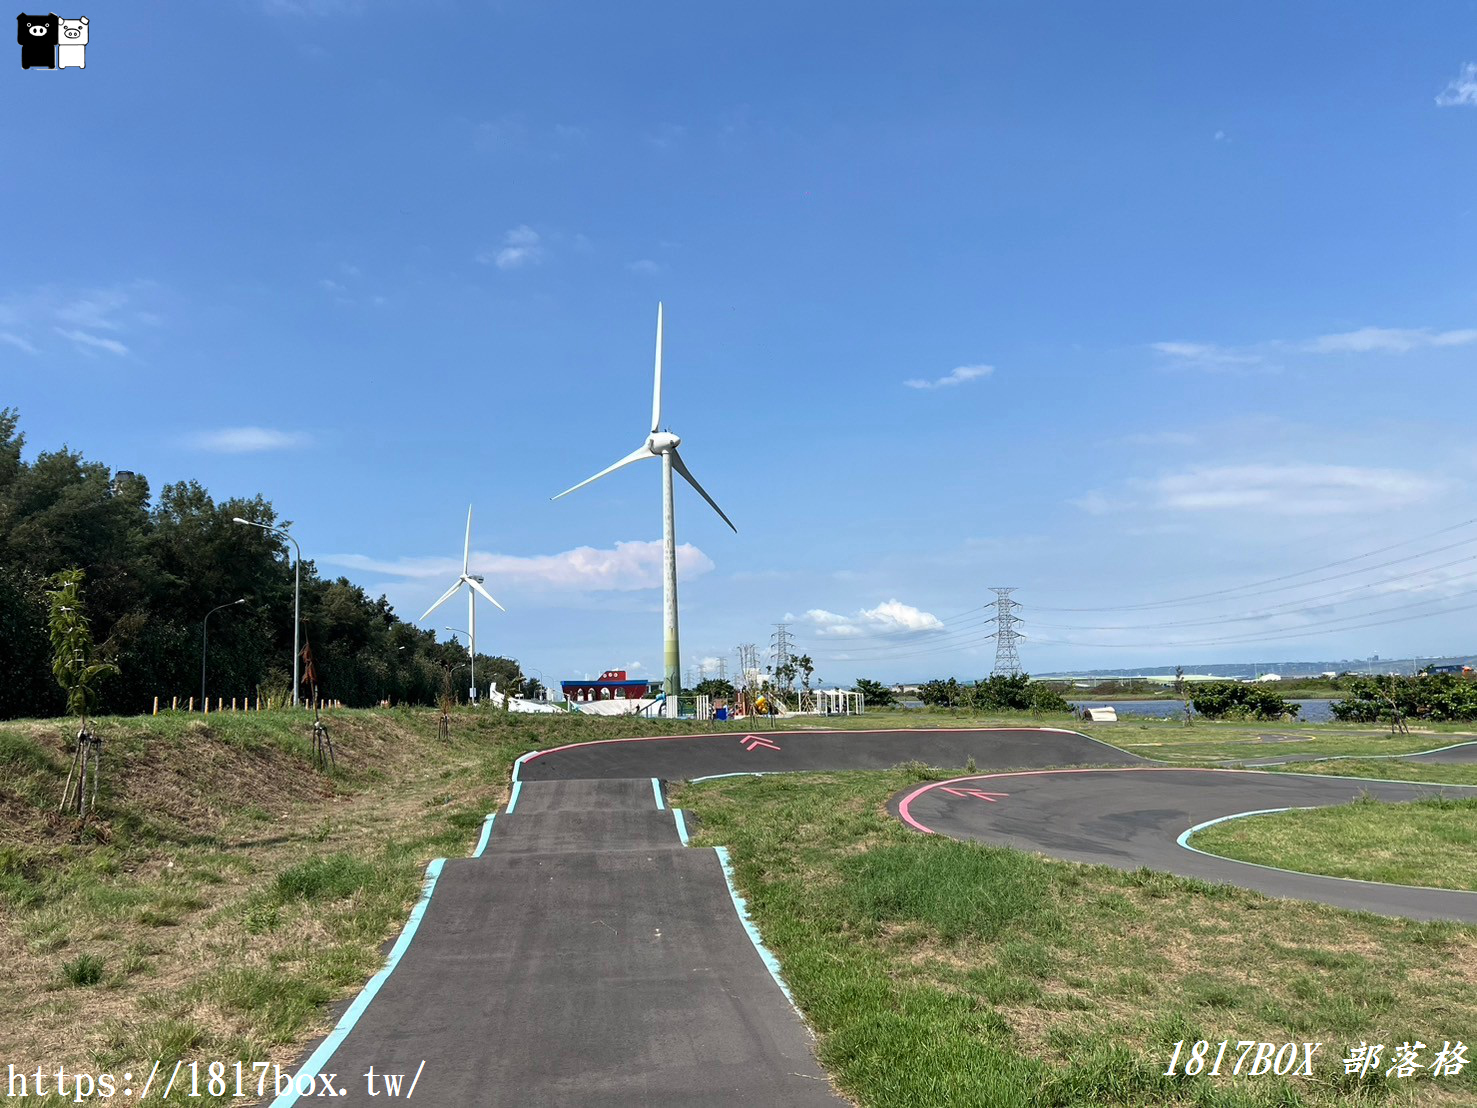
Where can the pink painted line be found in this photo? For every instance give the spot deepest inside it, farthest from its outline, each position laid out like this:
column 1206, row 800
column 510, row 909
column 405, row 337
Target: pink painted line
column 906, row 802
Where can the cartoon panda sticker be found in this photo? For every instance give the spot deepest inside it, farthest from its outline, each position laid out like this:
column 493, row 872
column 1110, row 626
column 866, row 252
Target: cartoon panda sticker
column 71, row 51
column 37, row 35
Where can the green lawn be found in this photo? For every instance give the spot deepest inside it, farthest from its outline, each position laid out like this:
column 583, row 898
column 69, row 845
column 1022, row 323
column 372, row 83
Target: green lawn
column 937, row 972
column 1427, row 842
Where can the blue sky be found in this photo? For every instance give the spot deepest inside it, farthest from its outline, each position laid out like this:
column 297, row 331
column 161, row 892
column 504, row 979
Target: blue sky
column 1118, row 304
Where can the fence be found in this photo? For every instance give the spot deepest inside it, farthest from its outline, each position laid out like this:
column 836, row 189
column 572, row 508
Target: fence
column 247, row 704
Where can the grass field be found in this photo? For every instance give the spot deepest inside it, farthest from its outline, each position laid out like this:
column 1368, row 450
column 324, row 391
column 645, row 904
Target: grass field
column 940, row 973
column 1428, row 842
column 230, row 894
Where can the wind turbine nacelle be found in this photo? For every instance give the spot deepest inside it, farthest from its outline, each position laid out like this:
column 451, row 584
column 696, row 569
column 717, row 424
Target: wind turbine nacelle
column 662, row 441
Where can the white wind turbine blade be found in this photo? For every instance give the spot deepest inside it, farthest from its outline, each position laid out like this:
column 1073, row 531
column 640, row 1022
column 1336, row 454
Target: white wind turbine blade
column 467, row 549
column 634, row 456
column 447, row 595
column 691, row 480
column 656, row 388
column 485, row 594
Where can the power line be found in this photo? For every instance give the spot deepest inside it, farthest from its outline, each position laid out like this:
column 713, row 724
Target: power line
column 1285, row 609
column 1296, row 633
column 1287, row 576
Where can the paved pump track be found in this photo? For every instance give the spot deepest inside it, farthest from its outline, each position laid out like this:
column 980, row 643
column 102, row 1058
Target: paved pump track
column 586, row 955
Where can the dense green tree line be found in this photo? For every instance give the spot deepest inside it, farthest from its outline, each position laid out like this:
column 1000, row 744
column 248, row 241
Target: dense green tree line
column 156, row 565
column 1016, row 693
column 1436, row 696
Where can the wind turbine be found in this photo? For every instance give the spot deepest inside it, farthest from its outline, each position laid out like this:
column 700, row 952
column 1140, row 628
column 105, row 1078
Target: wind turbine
column 663, row 444
column 473, row 581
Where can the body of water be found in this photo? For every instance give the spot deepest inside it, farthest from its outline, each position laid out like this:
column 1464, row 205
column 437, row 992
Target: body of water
column 1313, row 711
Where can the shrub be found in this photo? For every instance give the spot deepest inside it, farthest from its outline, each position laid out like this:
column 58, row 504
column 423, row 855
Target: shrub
column 1231, row 699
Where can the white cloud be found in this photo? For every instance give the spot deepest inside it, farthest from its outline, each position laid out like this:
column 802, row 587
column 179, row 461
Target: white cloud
column 247, row 440
column 628, row 566
column 85, row 341
column 955, row 377
column 1208, row 356
column 1298, row 490
column 1365, row 340
column 1462, row 91
column 90, row 319
column 889, row 616
column 1393, row 340
column 644, row 266
column 521, row 246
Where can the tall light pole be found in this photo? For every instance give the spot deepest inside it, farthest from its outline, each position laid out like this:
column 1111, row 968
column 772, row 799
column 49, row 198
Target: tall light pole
column 297, row 594
column 470, row 654
column 204, row 639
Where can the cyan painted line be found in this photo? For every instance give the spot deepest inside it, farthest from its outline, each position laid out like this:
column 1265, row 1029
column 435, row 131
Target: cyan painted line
column 486, row 832
column 326, row 1048
column 656, row 791
column 1184, row 838
column 681, row 825
column 513, row 796
column 521, row 759
column 741, row 906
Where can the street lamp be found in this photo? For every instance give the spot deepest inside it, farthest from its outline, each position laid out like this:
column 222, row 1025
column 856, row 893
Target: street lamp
column 297, row 592
column 473, row 657
column 204, row 639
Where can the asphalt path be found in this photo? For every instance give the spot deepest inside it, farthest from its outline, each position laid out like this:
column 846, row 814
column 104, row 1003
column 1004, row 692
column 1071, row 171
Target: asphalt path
column 1464, row 753
column 684, row 759
column 1135, row 817
column 587, row 957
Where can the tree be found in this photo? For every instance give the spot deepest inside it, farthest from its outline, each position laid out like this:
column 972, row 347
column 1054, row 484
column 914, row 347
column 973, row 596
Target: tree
column 874, row 693
column 77, row 673
column 715, row 688
column 806, row 668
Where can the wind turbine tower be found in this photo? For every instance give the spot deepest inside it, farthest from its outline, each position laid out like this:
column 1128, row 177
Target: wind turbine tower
column 473, row 581
column 663, row 444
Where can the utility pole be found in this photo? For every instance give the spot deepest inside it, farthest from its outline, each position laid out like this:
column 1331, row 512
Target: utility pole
column 1007, row 661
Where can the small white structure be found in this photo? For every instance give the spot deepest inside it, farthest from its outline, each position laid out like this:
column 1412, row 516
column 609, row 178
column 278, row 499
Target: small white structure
column 834, row 702
column 1268, row 677
column 1100, row 715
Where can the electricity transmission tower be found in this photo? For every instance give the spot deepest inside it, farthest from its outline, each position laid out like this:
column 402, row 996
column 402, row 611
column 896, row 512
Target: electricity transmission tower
column 723, row 669
column 1007, row 661
column 781, row 652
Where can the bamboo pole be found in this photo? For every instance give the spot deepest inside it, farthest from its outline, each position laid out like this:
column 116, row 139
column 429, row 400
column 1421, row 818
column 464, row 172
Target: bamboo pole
column 174, row 704
column 192, row 704
column 156, row 705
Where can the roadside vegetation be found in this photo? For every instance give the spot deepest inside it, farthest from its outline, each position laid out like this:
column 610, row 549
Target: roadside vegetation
column 224, row 893
column 939, row 972
column 1425, row 842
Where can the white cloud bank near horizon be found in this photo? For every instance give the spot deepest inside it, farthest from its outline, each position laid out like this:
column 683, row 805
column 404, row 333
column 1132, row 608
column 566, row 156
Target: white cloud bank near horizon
column 625, row 567
column 889, row 616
